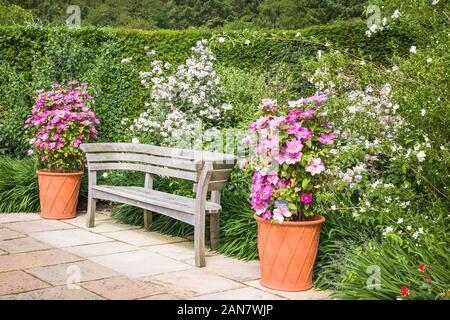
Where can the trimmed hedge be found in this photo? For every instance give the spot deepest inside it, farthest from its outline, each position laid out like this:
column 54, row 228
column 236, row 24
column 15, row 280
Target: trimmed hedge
column 32, row 58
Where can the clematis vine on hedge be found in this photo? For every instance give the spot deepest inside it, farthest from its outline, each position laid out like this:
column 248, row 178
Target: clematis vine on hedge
column 61, row 120
column 288, row 160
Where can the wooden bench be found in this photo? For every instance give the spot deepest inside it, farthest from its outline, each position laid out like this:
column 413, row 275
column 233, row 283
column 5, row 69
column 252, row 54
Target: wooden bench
column 208, row 170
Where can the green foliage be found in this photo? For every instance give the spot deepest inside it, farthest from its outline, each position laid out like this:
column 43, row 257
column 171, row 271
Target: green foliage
column 18, row 186
column 32, row 58
column 182, row 14
column 397, row 268
column 14, row 15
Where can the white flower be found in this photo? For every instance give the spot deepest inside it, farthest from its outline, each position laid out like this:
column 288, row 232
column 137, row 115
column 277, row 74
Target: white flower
column 221, row 39
column 395, row 68
column 126, row 60
column 297, row 35
column 135, row 140
column 247, row 42
column 396, row 14
column 421, row 156
column 420, row 230
column 362, row 62
column 400, row 221
column 151, row 53
column 423, row 112
column 434, row 2
column 429, row 60
column 409, row 228
column 105, row 175
column 333, row 207
column 413, row 49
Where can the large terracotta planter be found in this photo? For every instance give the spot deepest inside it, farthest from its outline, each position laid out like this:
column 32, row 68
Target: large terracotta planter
column 287, row 253
column 58, row 194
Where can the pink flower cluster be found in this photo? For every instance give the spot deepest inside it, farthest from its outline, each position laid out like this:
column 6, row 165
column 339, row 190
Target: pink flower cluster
column 61, row 118
column 263, row 186
column 292, row 140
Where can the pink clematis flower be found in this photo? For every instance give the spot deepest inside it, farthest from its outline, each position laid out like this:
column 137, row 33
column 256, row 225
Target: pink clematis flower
column 316, row 166
column 327, row 138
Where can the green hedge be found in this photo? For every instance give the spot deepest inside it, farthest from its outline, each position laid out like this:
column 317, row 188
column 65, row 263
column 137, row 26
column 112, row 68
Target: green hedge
column 32, row 58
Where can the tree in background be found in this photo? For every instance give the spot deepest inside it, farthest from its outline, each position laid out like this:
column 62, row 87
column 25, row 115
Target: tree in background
column 13, row 14
column 183, row 14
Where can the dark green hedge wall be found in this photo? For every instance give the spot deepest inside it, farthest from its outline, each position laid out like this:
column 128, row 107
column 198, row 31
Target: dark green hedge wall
column 32, row 58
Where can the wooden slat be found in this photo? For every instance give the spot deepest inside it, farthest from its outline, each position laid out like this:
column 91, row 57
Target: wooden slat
column 139, row 157
column 187, row 175
column 197, row 156
column 179, row 215
column 158, row 198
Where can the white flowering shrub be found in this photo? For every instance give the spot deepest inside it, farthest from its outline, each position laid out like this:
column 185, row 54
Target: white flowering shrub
column 183, row 100
column 390, row 197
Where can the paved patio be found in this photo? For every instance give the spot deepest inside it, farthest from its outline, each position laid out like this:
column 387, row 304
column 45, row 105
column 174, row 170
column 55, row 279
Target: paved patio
column 49, row 259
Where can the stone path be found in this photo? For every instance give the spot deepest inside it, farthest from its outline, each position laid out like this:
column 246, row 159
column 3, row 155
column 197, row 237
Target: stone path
column 49, row 259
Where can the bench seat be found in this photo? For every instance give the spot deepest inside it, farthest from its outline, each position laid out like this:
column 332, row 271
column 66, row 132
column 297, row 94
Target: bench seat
column 154, row 198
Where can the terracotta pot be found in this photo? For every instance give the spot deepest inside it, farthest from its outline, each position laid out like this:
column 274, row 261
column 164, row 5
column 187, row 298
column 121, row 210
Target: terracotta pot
column 287, row 253
column 58, row 194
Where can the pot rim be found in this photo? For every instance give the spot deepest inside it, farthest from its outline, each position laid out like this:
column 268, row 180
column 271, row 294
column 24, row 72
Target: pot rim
column 44, row 172
column 318, row 219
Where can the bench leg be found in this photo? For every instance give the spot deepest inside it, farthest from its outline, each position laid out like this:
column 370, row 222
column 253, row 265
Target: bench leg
column 214, row 229
column 199, row 244
column 90, row 222
column 148, row 218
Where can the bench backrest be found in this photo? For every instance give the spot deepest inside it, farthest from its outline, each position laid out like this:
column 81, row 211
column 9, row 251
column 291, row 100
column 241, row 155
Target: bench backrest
column 172, row 162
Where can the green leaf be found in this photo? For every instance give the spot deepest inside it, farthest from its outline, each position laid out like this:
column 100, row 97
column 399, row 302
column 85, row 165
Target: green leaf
column 404, row 168
column 292, row 207
column 305, row 183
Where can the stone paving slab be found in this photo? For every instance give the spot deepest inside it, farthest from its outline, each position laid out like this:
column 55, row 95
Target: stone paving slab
column 121, row 288
column 311, row 294
column 15, row 217
column 238, row 270
column 68, row 238
column 22, row 245
column 7, row 234
column 164, row 296
column 28, row 227
column 178, row 251
column 54, row 293
column 117, row 261
column 142, row 238
column 19, row 281
column 139, row 263
column 74, row 272
column 193, row 282
column 247, row 293
column 81, row 218
column 99, row 249
column 35, row 259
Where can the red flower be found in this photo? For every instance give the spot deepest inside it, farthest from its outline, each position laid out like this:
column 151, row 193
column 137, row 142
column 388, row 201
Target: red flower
column 404, row 291
column 421, row 268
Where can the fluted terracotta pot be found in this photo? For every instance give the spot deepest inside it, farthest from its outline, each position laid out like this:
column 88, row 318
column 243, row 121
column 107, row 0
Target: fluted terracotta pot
column 58, row 194
column 287, row 253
